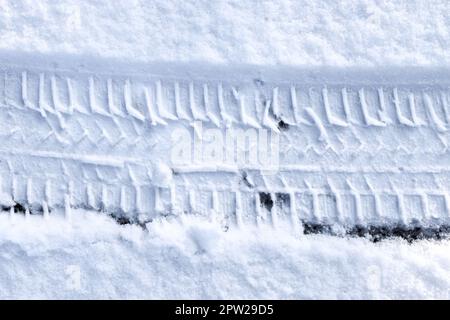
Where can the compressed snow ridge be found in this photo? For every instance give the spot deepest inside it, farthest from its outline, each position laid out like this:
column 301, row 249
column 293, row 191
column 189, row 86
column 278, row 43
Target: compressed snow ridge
column 261, row 32
column 93, row 257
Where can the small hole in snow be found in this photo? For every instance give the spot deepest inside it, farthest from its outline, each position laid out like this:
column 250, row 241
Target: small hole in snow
column 283, row 126
column 266, row 200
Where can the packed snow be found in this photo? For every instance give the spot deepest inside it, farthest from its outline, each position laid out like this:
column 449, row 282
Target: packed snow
column 91, row 256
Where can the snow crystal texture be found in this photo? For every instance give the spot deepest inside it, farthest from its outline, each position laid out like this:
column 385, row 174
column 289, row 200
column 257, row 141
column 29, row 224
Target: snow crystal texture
column 303, row 32
column 92, row 256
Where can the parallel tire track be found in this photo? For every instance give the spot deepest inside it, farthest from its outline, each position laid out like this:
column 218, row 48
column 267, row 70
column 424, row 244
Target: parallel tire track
column 369, row 153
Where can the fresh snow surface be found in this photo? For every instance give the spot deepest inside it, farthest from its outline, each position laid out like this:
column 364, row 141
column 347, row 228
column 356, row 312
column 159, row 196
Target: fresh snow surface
column 301, row 32
column 91, row 256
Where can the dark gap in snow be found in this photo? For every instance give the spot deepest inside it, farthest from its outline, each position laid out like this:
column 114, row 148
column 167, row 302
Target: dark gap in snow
column 283, row 200
column 379, row 233
column 122, row 220
column 125, row 220
column 18, row 208
column 314, row 228
column 258, row 82
column 266, row 200
column 283, row 126
column 410, row 234
column 244, row 178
